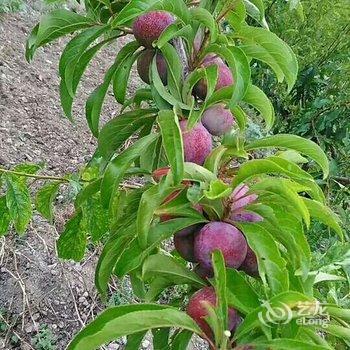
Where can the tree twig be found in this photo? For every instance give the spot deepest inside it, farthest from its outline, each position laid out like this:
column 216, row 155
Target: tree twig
column 39, row 177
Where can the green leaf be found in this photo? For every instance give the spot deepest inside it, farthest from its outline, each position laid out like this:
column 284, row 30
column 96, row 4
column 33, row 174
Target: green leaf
column 196, row 172
column 132, row 10
column 96, row 217
column 240, row 293
column 122, row 233
column 150, row 201
column 181, row 340
column 211, row 77
column 240, row 117
column 72, row 53
column 111, row 253
column 121, row 77
column 30, row 43
column 288, row 299
column 161, row 338
column 129, row 319
column 338, row 312
column 291, row 167
column 236, row 17
column 44, row 200
column 54, row 25
column 218, row 189
column 297, row 6
column 94, row 103
column 155, row 287
column 86, row 192
column 95, row 100
column 5, row 218
column 269, row 257
column 286, row 229
column 134, row 341
column 119, row 165
column 162, row 90
column 257, row 167
column 325, row 215
column 119, row 129
column 84, row 60
column 174, row 70
column 220, row 289
column 142, row 94
column 190, row 81
column 179, row 8
column 207, row 20
column 137, row 285
column 173, row 31
column 18, row 202
column 134, row 255
column 297, row 143
column 172, row 142
column 257, row 98
column 265, row 46
column 323, row 277
column 212, row 162
column 239, row 66
column 292, row 156
column 72, row 241
column 167, row 267
column 152, row 158
column 312, row 189
column 242, row 76
column 260, row 5
column 283, row 188
column 255, row 9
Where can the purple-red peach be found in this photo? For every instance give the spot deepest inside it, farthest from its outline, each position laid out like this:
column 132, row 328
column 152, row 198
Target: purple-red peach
column 197, row 143
column 149, row 26
column 218, row 119
column 196, row 308
column 221, row 236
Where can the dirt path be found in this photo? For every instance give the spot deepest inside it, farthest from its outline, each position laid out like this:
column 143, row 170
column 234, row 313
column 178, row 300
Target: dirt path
column 36, row 289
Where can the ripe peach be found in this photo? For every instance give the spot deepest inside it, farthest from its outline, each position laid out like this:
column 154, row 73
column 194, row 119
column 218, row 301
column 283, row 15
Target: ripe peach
column 184, row 242
column 149, row 26
column 166, row 217
column 144, row 64
column 197, row 143
column 225, row 77
column 218, row 120
column 221, row 236
column 197, row 310
column 250, row 264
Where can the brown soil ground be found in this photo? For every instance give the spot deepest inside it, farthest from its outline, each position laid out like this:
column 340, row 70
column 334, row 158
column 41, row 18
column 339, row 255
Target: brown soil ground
column 36, row 289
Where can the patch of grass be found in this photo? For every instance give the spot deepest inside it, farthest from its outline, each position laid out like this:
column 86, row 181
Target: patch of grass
column 9, row 6
column 44, row 340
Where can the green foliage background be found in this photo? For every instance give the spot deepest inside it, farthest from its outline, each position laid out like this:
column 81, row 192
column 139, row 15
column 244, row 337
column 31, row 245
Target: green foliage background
column 319, row 105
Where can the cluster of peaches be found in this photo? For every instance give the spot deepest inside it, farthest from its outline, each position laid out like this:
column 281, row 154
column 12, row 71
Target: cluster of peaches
column 196, row 243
